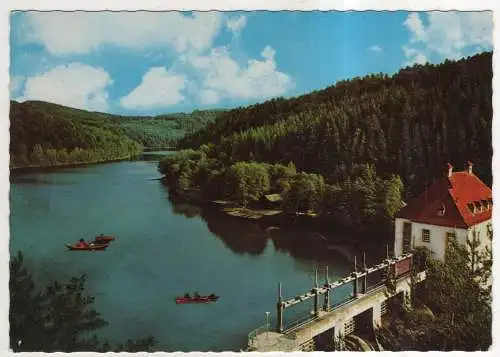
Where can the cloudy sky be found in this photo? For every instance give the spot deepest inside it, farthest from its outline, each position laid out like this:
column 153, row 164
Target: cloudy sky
column 153, row 62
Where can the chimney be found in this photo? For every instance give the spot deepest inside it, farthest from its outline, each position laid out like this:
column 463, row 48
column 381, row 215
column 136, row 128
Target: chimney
column 450, row 169
column 469, row 167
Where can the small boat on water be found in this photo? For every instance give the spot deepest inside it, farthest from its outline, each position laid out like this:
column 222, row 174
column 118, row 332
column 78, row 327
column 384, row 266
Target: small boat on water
column 90, row 247
column 100, row 242
column 186, row 299
column 101, row 238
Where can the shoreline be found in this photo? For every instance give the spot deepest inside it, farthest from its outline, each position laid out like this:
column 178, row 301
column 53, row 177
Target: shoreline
column 302, row 233
column 265, row 215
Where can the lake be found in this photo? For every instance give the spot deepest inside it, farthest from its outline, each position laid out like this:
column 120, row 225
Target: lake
column 163, row 250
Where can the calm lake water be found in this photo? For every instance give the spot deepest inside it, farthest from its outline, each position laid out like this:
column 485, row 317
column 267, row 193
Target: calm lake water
column 162, row 251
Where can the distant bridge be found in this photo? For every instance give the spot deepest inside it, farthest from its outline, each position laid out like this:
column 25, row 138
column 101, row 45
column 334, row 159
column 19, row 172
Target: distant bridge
column 364, row 308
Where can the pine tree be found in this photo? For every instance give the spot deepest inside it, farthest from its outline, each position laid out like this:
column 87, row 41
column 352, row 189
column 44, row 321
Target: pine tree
column 461, row 316
column 56, row 318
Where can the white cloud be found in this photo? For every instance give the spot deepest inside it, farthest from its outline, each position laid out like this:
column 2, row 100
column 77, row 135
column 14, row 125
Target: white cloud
column 158, row 89
column 416, row 27
column 450, row 34
column 223, row 77
column 64, row 33
column 236, row 24
column 15, row 85
column 376, row 48
column 75, row 85
column 268, row 53
column 413, row 56
column 209, row 96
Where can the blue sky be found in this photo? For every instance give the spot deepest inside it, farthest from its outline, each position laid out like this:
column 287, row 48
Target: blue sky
column 152, row 62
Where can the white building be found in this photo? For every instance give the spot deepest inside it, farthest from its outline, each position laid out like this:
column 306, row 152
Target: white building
column 456, row 205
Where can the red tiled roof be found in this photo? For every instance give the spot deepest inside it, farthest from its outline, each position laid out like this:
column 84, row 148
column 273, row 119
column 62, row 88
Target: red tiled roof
column 454, row 194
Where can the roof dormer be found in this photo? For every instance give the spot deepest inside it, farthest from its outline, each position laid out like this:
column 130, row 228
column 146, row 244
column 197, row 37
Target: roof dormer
column 441, row 210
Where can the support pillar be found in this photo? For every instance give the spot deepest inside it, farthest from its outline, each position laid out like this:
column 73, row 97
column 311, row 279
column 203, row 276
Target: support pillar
column 316, row 295
column 407, row 297
column 316, row 303
column 365, row 277
column 326, row 303
column 339, row 334
column 377, row 315
column 355, row 274
column 279, row 320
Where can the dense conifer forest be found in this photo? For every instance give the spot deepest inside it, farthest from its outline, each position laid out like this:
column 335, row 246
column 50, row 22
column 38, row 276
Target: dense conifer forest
column 410, row 124
column 44, row 134
column 351, row 151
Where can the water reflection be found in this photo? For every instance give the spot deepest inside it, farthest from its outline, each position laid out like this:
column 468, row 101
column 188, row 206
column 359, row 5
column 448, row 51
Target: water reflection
column 304, row 244
column 238, row 235
column 180, row 206
column 312, row 246
column 186, row 209
column 247, row 237
column 35, row 180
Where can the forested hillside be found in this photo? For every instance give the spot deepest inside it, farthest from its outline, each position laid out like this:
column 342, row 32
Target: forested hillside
column 165, row 130
column 350, row 152
column 410, row 124
column 49, row 134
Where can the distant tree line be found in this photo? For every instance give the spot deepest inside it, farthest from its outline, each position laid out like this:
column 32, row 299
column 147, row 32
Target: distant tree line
column 52, row 157
column 165, row 130
column 44, row 134
column 410, row 124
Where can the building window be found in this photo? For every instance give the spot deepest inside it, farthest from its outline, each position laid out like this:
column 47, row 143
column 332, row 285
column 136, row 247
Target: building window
column 449, row 237
column 489, row 231
column 406, row 237
column 426, row 235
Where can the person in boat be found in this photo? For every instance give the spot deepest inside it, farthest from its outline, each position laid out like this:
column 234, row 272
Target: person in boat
column 187, row 296
column 211, row 296
column 196, row 295
column 82, row 244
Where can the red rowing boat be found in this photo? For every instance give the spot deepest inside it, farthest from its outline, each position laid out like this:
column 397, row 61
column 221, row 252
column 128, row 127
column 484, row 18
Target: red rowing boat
column 103, row 239
column 196, row 299
column 87, row 248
